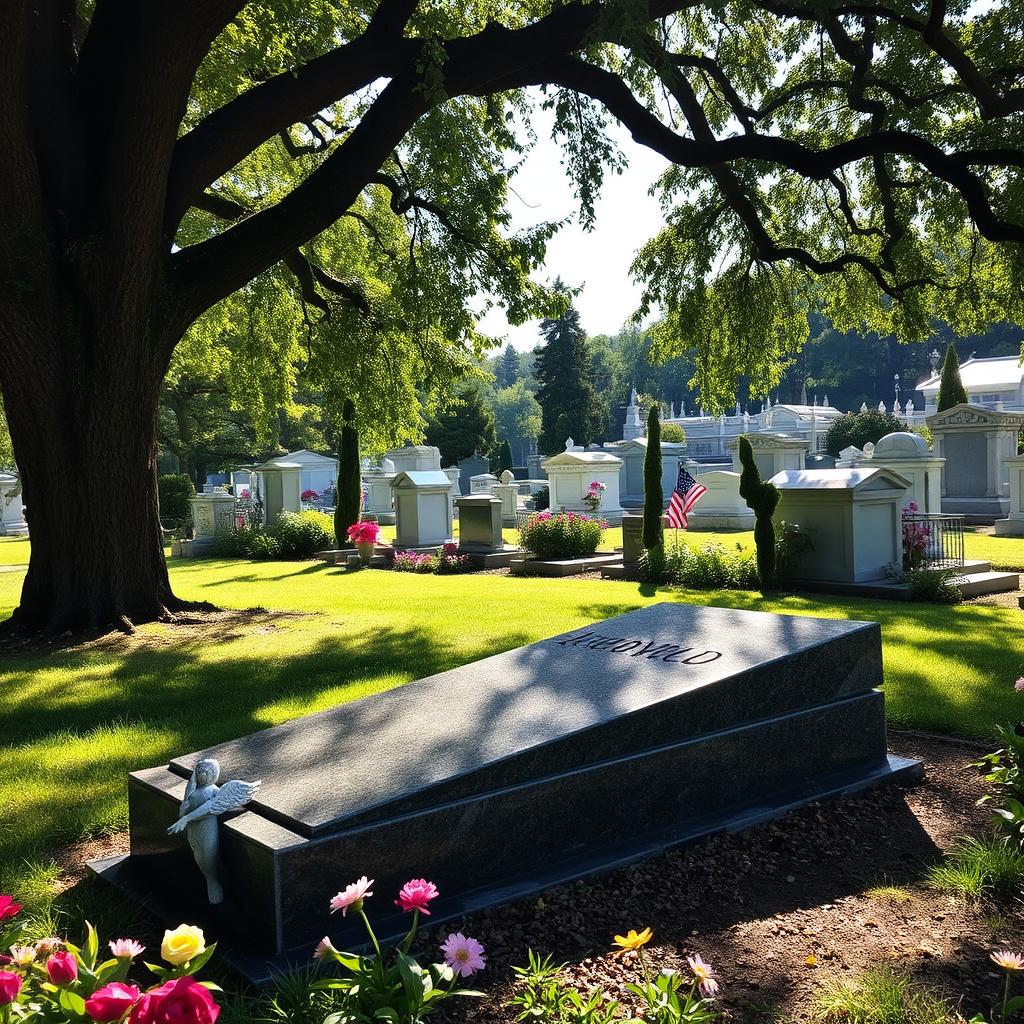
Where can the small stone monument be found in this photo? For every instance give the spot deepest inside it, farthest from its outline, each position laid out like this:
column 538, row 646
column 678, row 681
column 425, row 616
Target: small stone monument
column 773, row 453
column 280, row 487
column 570, row 474
column 470, row 467
column 482, row 483
column 212, row 512
column 634, row 426
column 909, row 455
column 12, row 514
column 423, row 514
column 508, row 492
column 480, row 536
column 414, row 458
column 721, row 508
column 1013, row 524
column 378, row 492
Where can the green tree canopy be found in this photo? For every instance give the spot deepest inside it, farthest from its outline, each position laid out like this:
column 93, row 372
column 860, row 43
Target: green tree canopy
column 518, row 418
column 462, row 426
column 858, row 428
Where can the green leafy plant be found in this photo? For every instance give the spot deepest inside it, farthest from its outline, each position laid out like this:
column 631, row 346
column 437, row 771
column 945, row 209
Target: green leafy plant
column 706, row 567
column 791, row 543
column 673, row 433
column 882, row 996
column 543, row 997
column 302, row 534
column 654, row 496
column 175, row 490
column 1003, row 772
column 350, row 488
column 858, row 428
column 762, row 499
column 935, row 586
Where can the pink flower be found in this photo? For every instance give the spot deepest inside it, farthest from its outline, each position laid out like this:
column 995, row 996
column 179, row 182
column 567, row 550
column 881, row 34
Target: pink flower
column 352, row 896
column 1019, row 685
column 62, row 969
column 8, row 908
column 111, row 1002
column 324, row 949
column 48, row 945
column 363, row 533
column 10, row 986
column 126, row 949
column 704, row 975
column 416, row 894
column 462, row 954
column 179, row 1001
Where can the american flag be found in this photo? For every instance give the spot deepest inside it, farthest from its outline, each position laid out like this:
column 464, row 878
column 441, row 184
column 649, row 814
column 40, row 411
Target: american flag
column 687, row 493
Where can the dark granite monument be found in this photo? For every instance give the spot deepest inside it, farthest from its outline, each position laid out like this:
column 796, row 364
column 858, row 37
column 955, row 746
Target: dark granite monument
column 506, row 776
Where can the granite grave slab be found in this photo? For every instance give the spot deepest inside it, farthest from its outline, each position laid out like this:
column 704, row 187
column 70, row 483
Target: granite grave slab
column 503, row 777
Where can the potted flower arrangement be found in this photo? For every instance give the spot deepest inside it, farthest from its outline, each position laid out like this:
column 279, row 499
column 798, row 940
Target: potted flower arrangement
column 364, row 535
column 595, row 492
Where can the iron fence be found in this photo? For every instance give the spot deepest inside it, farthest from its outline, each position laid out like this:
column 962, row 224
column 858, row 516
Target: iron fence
column 932, row 541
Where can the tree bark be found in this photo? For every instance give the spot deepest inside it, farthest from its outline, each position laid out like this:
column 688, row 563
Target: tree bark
column 81, row 394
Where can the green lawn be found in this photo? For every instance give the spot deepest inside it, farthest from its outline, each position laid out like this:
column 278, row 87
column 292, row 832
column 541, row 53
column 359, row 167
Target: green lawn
column 75, row 722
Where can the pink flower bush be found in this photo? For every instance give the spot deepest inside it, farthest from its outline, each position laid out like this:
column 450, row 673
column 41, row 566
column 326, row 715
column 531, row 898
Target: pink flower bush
column 111, row 1002
column 352, row 896
column 595, row 492
column 416, row 894
column 309, row 495
column 363, row 533
column 464, row 955
column 916, row 537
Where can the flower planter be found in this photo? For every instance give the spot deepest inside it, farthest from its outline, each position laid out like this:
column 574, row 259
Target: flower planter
column 365, row 549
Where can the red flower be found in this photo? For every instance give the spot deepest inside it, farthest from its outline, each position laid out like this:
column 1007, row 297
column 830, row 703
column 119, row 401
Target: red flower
column 8, row 908
column 416, row 894
column 182, row 1001
column 10, row 986
column 111, row 1002
column 62, row 968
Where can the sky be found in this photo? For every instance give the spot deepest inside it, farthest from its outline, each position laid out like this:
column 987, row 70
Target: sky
column 599, row 260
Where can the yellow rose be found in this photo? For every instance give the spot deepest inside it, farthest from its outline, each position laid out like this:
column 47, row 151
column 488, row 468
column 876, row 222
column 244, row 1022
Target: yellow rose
column 182, row 944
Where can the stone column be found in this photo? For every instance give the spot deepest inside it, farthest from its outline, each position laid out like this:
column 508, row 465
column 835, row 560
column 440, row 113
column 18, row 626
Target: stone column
column 508, row 492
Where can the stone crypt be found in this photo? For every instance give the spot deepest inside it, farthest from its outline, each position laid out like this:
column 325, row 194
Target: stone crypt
column 655, row 728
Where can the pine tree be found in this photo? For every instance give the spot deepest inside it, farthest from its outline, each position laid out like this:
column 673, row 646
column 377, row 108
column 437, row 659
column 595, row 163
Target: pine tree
column 569, row 403
column 350, row 488
column 654, row 496
column 462, row 428
column 506, row 370
column 951, row 387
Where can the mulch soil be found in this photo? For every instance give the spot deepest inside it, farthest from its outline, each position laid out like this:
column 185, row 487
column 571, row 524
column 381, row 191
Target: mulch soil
column 758, row 904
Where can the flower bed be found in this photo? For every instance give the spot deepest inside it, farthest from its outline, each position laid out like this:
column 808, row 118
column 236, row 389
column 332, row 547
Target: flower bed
column 446, row 559
column 562, row 535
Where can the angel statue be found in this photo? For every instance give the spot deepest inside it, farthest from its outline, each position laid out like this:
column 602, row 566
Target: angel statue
column 204, row 801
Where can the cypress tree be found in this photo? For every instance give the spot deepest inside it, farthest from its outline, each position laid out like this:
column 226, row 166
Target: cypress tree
column 504, row 457
column 951, row 387
column 762, row 498
column 506, row 370
column 654, row 497
column 349, row 496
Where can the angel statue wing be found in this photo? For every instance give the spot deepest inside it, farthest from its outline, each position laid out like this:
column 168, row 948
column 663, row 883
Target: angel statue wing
column 229, row 797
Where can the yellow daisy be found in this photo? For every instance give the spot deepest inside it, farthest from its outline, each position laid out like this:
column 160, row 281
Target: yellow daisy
column 633, row 939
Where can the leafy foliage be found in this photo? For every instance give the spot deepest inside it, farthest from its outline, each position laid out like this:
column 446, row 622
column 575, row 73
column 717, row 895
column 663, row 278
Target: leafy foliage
column 705, row 567
column 175, row 490
column 858, row 428
column 561, row 535
column 654, row 496
column 462, row 427
column 673, row 432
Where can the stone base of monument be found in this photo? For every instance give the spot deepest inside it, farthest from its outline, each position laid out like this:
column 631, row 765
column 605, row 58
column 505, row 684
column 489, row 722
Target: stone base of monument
column 977, row 511
column 193, row 548
column 490, row 558
column 527, row 769
column 527, row 566
column 720, row 521
column 1012, row 526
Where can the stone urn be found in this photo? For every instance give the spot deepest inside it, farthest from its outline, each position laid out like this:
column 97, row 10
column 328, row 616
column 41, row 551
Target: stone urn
column 365, row 549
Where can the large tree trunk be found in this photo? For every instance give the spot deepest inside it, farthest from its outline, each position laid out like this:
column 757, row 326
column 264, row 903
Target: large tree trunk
column 82, row 404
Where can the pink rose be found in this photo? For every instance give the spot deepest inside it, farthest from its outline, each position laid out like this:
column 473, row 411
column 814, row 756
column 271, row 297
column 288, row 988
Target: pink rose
column 182, row 1001
column 62, row 968
column 416, row 894
column 10, row 986
column 8, row 908
column 111, row 1002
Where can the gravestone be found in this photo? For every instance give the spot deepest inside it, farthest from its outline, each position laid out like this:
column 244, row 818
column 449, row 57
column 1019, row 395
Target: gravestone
column 480, row 536
column 721, row 508
column 379, row 499
column 414, row 458
column 423, row 510
column 279, row 486
column 12, row 515
column 212, row 512
column 501, row 778
column 631, row 474
column 508, row 493
column 975, row 442
column 482, row 483
column 570, row 474
column 470, row 467
column 773, row 453
column 1013, row 524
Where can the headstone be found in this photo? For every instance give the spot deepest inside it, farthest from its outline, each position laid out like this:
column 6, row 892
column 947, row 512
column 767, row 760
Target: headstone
column 721, row 508
column 452, row 472
column 773, row 453
column 501, row 778
column 1013, row 524
column 212, row 512
column 631, row 474
column 471, row 467
column 379, row 499
column 508, row 492
column 570, row 474
column 279, row 486
column 634, row 426
column 414, row 458
column 909, row 455
column 12, row 516
column 479, row 523
column 423, row 516
column 976, row 443
column 482, row 483
column 853, row 518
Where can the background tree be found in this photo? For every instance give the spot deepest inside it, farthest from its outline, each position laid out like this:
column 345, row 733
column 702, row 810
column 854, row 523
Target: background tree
column 506, row 369
column 504, row 457
column 951, row 387
column 858, row 428
column 350, row 489
column 517, row 418
column 463, row 427
column 568, row 401
column 350, row 159
column 654, row 496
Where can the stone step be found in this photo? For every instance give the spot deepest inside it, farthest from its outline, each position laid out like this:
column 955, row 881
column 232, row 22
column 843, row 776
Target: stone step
column 975, row 565
column 977, row 583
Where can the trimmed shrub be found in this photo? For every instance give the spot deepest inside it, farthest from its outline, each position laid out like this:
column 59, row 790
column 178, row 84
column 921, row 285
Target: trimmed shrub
column 708, row 567
column 857, row 428
column 762, row 498
column 565, row 535
column 542, row 499
column 673, row 433
column 302, row 534
column 350, row 487
column 175, row 490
